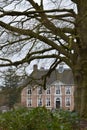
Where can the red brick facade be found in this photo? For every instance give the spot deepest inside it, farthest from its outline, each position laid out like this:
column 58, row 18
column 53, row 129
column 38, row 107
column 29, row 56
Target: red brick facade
column 57, row 95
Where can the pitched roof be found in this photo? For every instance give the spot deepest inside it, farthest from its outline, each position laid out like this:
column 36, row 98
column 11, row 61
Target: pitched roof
column 65, row 77
column 36, row 77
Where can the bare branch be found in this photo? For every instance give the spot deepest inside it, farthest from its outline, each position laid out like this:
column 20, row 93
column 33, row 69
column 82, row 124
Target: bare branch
column 30, row 13
column 35, row 35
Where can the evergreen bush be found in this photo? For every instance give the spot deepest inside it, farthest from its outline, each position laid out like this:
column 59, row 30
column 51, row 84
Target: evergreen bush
column 38, row 119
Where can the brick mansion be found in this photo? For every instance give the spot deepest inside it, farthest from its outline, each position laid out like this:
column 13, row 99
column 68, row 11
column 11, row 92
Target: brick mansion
column 59, row 91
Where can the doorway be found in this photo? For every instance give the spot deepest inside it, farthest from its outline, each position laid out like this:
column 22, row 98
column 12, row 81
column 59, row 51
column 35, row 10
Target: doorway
column 57, row 103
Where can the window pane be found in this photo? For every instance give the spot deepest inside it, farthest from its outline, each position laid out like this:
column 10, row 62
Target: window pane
column 68, row 90
column 67, row 101
column 29, row 102
column 39, row 102
column 29, row 91
column 57, row 90
column 40, row 90
column 48, row 102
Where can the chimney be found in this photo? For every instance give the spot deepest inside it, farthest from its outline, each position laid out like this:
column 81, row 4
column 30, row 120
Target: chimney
column 35, row 67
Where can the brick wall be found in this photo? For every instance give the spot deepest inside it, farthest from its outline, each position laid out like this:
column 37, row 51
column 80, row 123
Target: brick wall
column 57, row 98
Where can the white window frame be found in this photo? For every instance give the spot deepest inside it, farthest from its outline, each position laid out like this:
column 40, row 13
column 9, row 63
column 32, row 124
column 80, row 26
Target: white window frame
column 58, row 89
column 66, row 89
column 66, row 100
column 48, row 91
column 29, row 102
column 48, row 102
column 29, row 91
column 39, row 90
column 39, row 102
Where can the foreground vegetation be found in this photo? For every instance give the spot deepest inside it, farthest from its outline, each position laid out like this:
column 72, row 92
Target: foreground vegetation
column 38, row 119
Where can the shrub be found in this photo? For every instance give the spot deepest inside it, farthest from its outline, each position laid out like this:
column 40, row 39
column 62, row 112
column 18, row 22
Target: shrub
column 37, row 119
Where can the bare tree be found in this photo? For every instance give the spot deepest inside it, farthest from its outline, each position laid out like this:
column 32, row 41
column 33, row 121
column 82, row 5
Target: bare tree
column 57, row 32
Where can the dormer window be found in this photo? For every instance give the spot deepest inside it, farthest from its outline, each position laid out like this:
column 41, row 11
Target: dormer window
column 61, row 68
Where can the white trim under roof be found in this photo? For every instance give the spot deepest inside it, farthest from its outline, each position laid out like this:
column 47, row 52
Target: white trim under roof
column 57, row 82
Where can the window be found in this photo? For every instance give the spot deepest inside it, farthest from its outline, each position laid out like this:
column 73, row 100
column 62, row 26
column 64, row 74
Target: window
column 29, row 102
column 68, row 90
column 48, row 90
column 61, row 68
column 40, row 90
column 58, row 90
column 68, row 101
column 39, row 102
column 29, row 91
column 48, row 102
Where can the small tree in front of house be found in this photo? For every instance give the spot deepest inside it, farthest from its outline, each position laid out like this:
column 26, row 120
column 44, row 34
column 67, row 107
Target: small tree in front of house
column 10, row 87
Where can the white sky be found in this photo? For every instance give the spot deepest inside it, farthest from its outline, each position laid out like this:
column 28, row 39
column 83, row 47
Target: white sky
column 65, row 3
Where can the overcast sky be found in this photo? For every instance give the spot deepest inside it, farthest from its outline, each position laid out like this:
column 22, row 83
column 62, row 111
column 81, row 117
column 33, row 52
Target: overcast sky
column 47, row 5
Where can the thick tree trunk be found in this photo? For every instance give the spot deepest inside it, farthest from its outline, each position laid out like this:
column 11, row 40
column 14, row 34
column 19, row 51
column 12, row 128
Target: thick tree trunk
column 80, row 77
column 80, row 68
column 81, row 93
